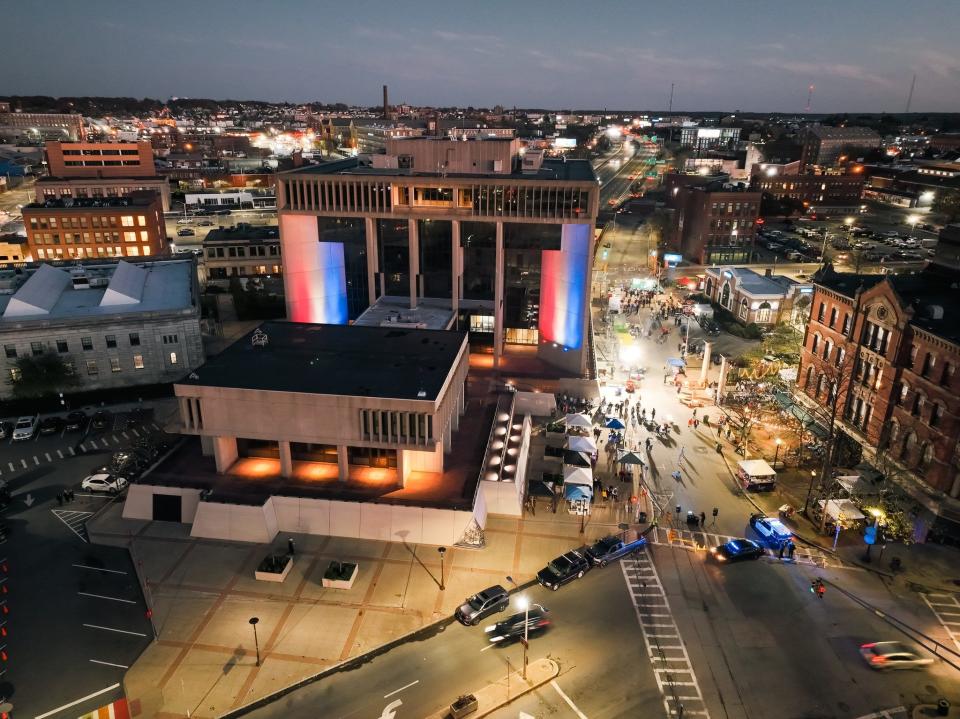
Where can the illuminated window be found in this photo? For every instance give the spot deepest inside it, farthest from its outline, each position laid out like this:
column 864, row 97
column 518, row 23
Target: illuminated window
column 173, row 358
column 142, row 220
column 133, row 252
column 114, row 364
column 129, row 236
column 144, row 236
column 138, row 361
column 127, row 221
column 146, row 250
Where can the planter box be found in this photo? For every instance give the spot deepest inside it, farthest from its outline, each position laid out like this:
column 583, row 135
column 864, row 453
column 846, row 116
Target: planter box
column 264, row 574
column 343, row 579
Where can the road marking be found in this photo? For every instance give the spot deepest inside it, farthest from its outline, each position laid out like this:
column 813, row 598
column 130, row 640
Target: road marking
column 83, row 447
column 36, row 461
column 81, row 700
column 71, row 451
column 567, row 699
column 489, row 646
column 122, row 631
column 47, row 455
column 115, row 439
column 60, row 454
column 24, row 463
column 395, row 691
column 665, row 638
column 103, row 596
column 12, row 468
column 135, row 432
column 155, row 426
column 940, row 611
column 75, row 521
column 110, row 664
column 127, row 436
column 98, row 569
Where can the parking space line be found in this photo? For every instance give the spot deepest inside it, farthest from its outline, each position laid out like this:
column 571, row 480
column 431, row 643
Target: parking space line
column 24, row 463
column 60, row 454
column 135, row 433
column 110, row 664
column 83, row 447
column 111, row 629
column 70, row 450
column 81, row 700
column 12, row 468
column 98, row 569
column 397, row 691
column 103, row 596
column 115, row 439
column 47, row 455
column 36, row 461
column 567, row 699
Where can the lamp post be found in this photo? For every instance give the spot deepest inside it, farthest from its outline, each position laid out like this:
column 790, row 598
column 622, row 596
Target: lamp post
column 442, row 551
column 806, row 504
column 776, row 452
column 256, row 643
column 524, row 604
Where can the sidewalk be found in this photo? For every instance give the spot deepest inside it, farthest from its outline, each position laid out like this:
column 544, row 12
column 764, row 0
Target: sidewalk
column 202, row 594
column 512, row 686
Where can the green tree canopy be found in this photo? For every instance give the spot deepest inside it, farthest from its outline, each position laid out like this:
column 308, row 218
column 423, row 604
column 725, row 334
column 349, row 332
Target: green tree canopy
column 947, row 202
column 42, row 375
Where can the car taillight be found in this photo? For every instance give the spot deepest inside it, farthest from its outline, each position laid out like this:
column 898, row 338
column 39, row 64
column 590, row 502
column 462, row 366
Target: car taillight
column 868, row 646
column 543, row 623
column 878, row 659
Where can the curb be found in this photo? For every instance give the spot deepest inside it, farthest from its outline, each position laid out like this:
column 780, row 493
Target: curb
column 555, row 668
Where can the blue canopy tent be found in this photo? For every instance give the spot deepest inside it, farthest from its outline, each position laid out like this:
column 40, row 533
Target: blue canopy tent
column 614, row 423
column 675, row 362
column 574, row 492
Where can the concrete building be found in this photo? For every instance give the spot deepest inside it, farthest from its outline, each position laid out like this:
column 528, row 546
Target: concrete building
column 766, row 299
column 41, row 126
column 709, row 138
column 13, row 249
column 823, row 146
column 115, row 324
column 821, row 192
column 715, row 222
column 60, row 188
column 100, row 159
column 502, row 242
column 882, row 352
column 96, row 227
column 243, row 251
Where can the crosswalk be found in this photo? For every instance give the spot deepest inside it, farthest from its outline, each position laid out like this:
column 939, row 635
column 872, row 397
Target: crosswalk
column 698, row 541
column 892, row 713
column 76, row 521
column 946, row 607
column 90, row 444
column 672, row 668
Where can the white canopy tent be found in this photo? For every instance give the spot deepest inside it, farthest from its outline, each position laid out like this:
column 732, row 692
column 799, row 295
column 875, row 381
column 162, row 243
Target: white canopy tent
column 577, row 475
column 842, row 509
column 581, row 444
column 577, row 420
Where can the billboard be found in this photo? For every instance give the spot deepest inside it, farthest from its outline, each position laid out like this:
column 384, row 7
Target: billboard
column 672, row 259
column 708, row 133
column 565, row 143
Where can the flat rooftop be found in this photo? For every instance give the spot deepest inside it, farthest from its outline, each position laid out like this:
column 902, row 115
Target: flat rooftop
column 356, row 361
column 394, row 311
column 242, row 232
column 138, row 199
column 551, row 169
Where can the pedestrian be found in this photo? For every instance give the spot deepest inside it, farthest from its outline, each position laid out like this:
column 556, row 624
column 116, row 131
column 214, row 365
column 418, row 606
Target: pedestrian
column 665, row 377
column 791, row 548
column 694, row 412
column 678, row 389
column 679, row 346
column 696, row 423
column 703, row 519
column 683, row 455
column 72, row 497
column 690, row 422
column 783, row 546
column 719, row 448
column 290, row 546
column 653, row 413
column 706, row 421
column 60, row 498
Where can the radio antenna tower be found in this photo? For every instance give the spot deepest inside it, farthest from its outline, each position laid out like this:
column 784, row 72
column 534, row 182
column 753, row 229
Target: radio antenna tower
column 809, row 97
column 913, row 82
column 670, row 107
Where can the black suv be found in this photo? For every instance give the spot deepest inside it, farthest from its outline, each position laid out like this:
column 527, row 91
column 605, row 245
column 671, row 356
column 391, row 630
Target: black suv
column 101, row 420
column 482, row 604
column 75, row 421
column 563, row 569
column 513, row 627
column 50, row 425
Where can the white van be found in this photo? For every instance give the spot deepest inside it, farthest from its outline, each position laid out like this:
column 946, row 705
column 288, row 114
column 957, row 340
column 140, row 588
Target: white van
column 756, row 475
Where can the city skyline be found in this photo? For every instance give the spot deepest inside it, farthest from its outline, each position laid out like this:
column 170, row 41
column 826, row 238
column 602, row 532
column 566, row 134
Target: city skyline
column 860, row 57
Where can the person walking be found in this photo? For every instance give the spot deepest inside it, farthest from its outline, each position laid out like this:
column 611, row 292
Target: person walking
column 694, row 412
column 653, row 413
column 683, row 455
column 696, row 423
column 703, row 519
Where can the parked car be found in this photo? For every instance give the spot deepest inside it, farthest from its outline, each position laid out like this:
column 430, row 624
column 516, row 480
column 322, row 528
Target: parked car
column 563, row 569
column 185, row 232
column 205, row 223
column 773, row 531
column 185, row 221
column 25, row 428
column 737, row 550
column 892, row 655
column 712, row 329
column 50, row 425
column 100, row 420
column 482, row 604
column 104, row 483
column 534, row 621
column 613, row 547
column 75, row 421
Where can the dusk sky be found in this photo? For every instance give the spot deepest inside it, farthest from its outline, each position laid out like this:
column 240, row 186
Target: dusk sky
column 722, row 54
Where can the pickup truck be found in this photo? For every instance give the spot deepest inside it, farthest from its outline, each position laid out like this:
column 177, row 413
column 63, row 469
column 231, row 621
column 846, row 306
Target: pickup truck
column 615, row 546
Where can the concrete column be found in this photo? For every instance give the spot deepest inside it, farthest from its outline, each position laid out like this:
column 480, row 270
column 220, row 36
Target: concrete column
column 184, row 413
column 413, row 235
column 401, row 469
column 224, row 452
column 456, row 269
column 343, row 462
column 707, row 346
column 722, row 382
column 498, row 299
column 373, row 259
column 447, row 432
column 286, row 459
column 456, row 412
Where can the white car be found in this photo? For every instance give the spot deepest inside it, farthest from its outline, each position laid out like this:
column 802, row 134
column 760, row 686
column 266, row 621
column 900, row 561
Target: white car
column 103, row 483
column 25, row 428
column 892, row 655
column 185, row 221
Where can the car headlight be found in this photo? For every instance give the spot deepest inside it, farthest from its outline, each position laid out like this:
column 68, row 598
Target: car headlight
column 491, row 628
column 496, row 639
column 720, row 557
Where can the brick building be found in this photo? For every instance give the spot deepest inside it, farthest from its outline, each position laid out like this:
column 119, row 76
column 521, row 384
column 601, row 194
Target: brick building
column 823, row 146
column 106, row 227
column 37, row 125
column 242, row 251
column 883, row 352
column 716, row 222
column 818, row 192
column 100, row 159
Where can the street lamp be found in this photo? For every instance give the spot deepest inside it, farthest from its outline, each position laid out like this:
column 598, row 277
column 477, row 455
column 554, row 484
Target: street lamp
column 813, row 476
column 776, row 453
column 523, row 604
column 256, row 643
column 442, row 551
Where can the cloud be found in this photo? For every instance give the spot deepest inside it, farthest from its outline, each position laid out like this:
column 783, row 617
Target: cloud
column 377, row 33
column 940, row 63
column 466, row 38
column 817, row 70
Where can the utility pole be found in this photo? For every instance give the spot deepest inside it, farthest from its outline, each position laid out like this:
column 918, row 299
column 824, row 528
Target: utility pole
column 809, row 97
column 670, row 106
column 913, row 83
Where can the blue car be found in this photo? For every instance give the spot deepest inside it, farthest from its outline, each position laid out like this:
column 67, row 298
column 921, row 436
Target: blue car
column 771, row 530
column 613, row 547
